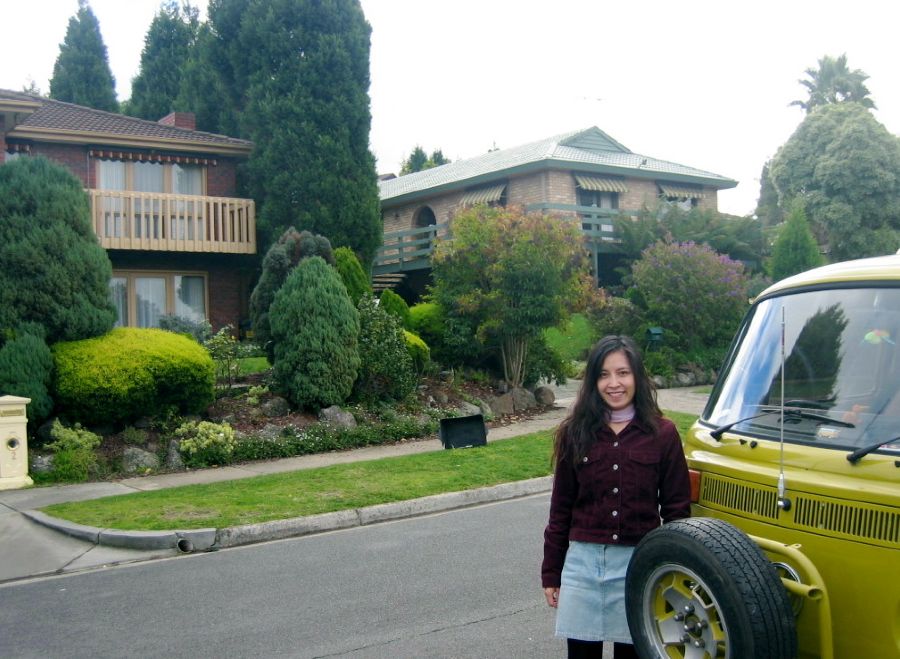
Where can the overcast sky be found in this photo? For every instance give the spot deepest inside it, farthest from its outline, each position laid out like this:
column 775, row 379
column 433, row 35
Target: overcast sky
column 704, row 83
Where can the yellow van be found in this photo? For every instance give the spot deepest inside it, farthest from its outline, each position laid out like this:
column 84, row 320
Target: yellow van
column 794, row 549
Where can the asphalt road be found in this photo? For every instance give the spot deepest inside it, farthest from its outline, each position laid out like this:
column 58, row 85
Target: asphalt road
column 458, row 584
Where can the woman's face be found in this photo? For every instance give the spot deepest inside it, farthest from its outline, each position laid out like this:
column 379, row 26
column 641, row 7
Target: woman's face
column 616, row 382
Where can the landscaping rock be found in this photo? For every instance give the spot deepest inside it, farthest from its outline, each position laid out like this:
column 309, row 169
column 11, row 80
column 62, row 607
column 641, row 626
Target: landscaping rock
column 486, row 410
column 41, row 464
column 275, row 407
column 441, row 397
column 544, row 395
column 685, row 379
column 468, row 409
column 503, row 404
column 522, row 399
column 136, row 460
column 173, row 456
column 336, row 416
column 659, row 382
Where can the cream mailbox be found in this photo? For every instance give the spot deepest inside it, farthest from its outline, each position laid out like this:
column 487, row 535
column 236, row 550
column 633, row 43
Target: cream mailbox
column 13, row 443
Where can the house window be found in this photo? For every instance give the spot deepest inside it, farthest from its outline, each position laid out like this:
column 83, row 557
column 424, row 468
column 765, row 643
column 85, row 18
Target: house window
column 684, row 197
column 10, row 155
column 597, row 199
column 141, row 298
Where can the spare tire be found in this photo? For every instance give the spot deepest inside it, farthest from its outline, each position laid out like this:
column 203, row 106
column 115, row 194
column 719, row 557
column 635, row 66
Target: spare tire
column 700, row 588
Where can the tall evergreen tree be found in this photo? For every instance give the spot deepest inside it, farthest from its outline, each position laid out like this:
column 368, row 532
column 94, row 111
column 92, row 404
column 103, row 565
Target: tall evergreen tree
column 166, row 52
column 298, row 72
column 834, row 82
column 795, row 249
column 81, row 74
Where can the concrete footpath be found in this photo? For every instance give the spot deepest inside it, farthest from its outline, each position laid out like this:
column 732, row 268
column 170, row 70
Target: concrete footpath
column 34, row 544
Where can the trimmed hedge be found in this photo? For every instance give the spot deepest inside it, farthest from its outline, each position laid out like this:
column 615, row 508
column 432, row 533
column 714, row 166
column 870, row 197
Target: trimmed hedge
column 129, row 373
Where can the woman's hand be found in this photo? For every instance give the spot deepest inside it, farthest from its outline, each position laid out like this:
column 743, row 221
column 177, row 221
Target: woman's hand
column 552, row 595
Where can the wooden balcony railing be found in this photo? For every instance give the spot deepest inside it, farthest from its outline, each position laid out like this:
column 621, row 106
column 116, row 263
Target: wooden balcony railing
column 407, row 250
column 173, row 222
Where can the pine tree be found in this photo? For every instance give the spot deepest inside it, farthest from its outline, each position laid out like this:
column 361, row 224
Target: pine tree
column 81, row 74
column 52, row 270
column 167, row 48
column 795, row 249
column 299, row 73
column 315, row 331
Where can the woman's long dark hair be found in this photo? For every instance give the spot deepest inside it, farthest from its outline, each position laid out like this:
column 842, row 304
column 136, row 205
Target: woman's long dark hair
column 578, row 432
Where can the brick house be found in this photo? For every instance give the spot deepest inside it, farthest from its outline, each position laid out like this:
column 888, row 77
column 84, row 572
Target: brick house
column 163, row 205
column 585, row 175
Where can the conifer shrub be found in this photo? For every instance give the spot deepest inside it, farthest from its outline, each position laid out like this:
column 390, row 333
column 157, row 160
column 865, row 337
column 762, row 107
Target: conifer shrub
column 315, row 333
column 386, row 367
column 129, row 373
column 282, row 257
column 396, row 306
column 418, row 351
column 352, row 274
column 26, row 370
column 52, row 269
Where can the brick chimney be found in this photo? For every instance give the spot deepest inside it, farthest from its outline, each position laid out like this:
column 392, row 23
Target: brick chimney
column 185, row 120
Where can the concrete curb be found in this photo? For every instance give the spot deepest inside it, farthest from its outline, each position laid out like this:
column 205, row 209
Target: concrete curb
column 210, row 539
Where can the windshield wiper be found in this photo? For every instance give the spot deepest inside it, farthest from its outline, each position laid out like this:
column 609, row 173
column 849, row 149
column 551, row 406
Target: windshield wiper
column 859, row 453
column 716, row 433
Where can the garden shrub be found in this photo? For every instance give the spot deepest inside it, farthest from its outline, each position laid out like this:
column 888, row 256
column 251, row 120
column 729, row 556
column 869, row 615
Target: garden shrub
column 696, row 295
column 315, row 332
column 426, row 320
column 225, row 351
column 205, row 444
column 52, row 269
column 396, row 306
column 616, row 315
column 418, row 350
column 544, row 363
column 74, row 459
column 130, row 373
column 352, row 274
column 283, row 256
column 199, row 330
column 386, row 367
column 26, row 370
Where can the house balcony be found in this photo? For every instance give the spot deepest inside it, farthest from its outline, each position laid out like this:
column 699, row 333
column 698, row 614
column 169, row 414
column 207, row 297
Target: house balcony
column 152, row 221
column 411, row 249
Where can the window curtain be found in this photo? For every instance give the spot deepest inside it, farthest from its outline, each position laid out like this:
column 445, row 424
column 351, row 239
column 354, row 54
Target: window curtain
column 118, row 292
column 148, row 177
column 187, row 180
column 190, row 297
column 150, row 298
column 112, row 177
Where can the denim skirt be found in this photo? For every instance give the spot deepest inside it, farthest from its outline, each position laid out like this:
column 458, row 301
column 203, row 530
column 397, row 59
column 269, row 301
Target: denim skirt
column 592, row 593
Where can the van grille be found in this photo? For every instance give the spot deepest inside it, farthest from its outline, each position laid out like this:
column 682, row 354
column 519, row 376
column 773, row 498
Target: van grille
column 879, row 525
column 869, row 522
column 744, row 497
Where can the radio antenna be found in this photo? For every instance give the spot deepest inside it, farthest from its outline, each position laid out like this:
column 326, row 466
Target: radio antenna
column 783, row 502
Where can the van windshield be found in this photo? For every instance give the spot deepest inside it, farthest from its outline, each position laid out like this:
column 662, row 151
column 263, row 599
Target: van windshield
column 841, row 363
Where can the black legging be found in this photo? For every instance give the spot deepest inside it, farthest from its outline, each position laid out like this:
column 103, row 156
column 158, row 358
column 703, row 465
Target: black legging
column 594, row 650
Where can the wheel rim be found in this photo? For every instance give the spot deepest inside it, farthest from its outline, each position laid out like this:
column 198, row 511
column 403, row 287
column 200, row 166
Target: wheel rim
column 681, row 616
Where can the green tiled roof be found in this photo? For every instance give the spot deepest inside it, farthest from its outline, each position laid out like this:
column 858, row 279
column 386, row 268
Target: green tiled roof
column 587, row 151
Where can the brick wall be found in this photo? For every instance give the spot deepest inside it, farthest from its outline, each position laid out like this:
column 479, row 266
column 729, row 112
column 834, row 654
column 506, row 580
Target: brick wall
column 2, row 138
column 221, row 178
column 73, row 157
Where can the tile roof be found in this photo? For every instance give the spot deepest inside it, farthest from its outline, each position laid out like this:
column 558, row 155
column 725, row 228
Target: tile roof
column 97, row 125
column 590, row 150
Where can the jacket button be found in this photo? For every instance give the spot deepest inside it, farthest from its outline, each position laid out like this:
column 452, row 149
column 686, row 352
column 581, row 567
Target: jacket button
column 615, row 513
column 615, row 467
column 615, row 443
column 585, row 459
column 615, row 490
column 615, row 536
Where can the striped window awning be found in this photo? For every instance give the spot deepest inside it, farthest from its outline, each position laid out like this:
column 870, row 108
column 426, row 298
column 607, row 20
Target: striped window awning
column 681, row 191
column 150, row 157
column 600, row 183
column 486, row 195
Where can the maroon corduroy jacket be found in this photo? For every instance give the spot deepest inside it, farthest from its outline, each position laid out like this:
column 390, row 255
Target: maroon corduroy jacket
column 628, row 485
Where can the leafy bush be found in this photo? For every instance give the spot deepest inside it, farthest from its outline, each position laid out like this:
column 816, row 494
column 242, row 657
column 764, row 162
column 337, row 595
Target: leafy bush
column 315, row 332
column 352, row 273
column 52, row 269
column 695, row 294
column 26, row 370
column 74, row 459
column 418, row 350
column 204, row 443
column 544, row 363
column 386, row 368
column 396, row 306
column 200, row 330
column 616, row 315
column 134, row 436
column 224, row 349
column 282, row 257
column 130, row 373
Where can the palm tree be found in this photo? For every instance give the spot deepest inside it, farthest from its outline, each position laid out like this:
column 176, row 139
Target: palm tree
column 834, row 82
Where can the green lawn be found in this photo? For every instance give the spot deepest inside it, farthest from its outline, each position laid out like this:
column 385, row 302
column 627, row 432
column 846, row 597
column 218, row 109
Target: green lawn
column 249, row 365
column 572, row 341
column 327, row 489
